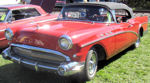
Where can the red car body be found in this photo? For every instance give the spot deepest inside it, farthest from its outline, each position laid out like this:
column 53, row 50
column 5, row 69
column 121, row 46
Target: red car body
column 102, row 31
column 19, row 22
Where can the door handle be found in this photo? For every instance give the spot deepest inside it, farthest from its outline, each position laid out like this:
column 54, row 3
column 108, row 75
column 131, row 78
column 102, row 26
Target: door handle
column 130, row 26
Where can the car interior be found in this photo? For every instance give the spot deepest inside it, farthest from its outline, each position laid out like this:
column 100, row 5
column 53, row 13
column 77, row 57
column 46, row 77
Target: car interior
column 122, row 15
column 24, row 13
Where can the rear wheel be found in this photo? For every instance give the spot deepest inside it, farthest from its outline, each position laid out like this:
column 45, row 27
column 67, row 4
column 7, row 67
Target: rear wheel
column 90, row 65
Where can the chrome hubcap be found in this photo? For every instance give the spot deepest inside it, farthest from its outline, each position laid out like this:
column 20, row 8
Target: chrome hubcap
column 137, row 43
column 92, row 64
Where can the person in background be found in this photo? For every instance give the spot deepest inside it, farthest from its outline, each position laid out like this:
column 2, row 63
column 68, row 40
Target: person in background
column 25, row 1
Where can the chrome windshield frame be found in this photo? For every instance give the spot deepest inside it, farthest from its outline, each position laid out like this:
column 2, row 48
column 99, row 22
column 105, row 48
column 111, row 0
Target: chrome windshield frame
column 109, row 10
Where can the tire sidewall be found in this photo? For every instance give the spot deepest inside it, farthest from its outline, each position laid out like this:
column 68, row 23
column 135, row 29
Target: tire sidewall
column 87, row 76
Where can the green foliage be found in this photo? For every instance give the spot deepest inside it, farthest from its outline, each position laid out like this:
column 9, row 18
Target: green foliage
column 138, row 4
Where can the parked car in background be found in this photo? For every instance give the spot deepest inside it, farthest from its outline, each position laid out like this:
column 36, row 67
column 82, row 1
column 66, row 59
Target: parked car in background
column 83, row 34
column 15, row 16
column 6, row 2
column 47, row 5
column 60, row 3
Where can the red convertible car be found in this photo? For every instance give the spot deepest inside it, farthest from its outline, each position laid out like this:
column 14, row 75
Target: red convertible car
column 83, row 34
column 15, row 16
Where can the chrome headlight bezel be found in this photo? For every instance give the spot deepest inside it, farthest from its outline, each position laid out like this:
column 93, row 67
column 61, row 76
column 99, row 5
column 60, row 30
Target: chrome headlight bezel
column 68, row 41
column 9, row 34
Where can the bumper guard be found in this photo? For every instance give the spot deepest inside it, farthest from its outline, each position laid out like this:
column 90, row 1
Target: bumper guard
column 64, row 69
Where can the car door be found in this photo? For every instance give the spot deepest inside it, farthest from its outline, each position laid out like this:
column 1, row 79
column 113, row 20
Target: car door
column 109, row 39
column 124, row 32
column 123, row 36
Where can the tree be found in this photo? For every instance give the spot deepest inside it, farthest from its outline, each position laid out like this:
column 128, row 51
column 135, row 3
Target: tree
column 138, row 4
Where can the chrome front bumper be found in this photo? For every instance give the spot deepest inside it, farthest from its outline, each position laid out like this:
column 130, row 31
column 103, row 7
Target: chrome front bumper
column 64, row 69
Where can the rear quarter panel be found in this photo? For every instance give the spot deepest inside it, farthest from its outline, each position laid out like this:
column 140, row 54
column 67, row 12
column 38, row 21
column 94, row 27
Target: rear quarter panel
column 143, row 22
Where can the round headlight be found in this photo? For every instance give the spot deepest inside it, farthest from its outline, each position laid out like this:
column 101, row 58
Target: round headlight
column 65, row 42
column 9, row 34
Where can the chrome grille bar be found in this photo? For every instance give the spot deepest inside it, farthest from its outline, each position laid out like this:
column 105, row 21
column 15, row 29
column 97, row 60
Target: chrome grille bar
column 42, row 50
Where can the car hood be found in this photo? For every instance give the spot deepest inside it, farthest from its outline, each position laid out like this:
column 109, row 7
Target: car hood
column 46, row 34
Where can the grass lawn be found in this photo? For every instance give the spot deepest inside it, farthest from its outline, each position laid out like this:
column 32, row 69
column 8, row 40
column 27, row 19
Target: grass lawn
column 130, row 66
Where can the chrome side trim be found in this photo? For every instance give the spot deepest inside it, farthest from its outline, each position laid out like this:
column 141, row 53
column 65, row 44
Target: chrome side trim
column 44, row 21
column 108, row 37
column 2, row 30
column 42, row 50
column 3, row 39
column 144, row 23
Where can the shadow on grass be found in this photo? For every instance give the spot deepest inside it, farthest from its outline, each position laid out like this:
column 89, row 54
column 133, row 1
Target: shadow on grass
column 107, row 62
column 14, row 73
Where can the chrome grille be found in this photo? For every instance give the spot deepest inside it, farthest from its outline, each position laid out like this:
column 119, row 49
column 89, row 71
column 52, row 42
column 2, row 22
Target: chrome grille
column 37, row 55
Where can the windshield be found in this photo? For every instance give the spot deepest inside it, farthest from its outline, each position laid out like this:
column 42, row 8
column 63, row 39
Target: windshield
column 3, row 14
column 86, row 13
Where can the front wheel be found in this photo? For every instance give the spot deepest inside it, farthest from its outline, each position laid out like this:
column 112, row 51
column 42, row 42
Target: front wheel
column 90, row 65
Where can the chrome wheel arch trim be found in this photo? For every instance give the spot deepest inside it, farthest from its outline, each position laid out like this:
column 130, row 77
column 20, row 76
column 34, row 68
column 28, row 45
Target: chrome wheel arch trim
column 41, row 50
column 109, row 37
column 141, row 26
